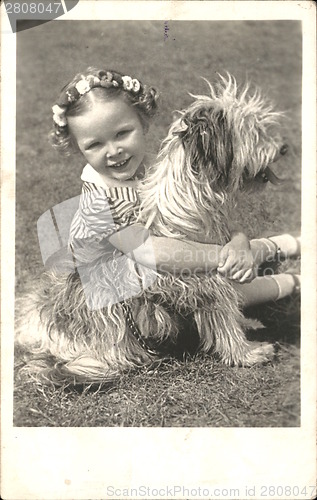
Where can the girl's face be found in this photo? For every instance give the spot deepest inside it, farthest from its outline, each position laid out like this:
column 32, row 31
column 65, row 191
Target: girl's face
column 111, row 138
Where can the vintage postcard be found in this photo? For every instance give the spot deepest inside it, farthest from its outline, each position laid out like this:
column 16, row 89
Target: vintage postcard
column 158, row 249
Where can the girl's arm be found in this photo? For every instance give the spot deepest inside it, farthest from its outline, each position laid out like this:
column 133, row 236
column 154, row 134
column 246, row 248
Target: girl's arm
column 236, row 260
column 166, row 254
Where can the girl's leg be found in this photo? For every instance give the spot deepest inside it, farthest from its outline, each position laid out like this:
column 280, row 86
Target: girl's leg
column 267, row 288
column 289, row 245
column 264, row 249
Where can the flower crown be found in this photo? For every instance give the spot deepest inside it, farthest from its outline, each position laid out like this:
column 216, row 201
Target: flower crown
column 106, row 79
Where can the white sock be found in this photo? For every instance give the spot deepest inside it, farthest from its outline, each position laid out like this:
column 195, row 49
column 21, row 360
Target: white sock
column 285, row 284
column 289, row 245
column 263, row 250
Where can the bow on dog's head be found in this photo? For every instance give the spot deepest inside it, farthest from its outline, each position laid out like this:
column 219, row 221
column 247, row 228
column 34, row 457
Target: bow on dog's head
column 207, row 145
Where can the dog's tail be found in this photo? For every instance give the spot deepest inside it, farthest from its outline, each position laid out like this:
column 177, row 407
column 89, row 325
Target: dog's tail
column 61, row 340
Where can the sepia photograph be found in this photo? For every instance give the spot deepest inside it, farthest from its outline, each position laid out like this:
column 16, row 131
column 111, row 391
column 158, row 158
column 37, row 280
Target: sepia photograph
column 218, row 162
column 158, row 217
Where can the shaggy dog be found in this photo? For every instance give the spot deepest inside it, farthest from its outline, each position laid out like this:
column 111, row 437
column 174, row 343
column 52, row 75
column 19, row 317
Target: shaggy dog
column 220, row 144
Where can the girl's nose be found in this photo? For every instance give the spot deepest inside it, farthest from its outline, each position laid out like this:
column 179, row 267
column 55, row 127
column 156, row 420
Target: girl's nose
column 112, row 150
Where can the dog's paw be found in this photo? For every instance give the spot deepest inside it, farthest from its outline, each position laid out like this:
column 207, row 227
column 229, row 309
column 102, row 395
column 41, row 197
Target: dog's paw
column 261, row 354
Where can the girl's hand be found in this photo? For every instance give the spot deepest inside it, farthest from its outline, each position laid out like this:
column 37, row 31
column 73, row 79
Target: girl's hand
column 236, row 260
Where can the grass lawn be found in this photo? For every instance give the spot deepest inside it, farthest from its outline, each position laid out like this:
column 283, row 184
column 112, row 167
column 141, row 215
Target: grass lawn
column 197, row 392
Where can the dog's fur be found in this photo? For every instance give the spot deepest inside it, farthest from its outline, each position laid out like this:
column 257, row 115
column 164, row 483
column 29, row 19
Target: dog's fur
column 216, row 147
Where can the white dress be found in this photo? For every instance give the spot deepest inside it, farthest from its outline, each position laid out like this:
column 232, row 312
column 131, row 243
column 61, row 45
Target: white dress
column 102, row 211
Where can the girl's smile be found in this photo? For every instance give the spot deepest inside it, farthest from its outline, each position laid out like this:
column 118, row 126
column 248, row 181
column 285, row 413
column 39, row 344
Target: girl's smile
column 120, row 166
column 111, row 137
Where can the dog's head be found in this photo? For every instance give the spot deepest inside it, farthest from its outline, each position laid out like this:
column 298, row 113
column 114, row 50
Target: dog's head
column 230, row 137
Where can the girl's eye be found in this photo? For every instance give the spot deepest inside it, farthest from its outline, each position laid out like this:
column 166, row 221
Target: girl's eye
column 94, row 145
column 122, row 133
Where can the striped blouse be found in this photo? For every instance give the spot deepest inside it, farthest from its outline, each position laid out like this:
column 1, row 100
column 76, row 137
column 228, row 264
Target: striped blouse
column 102, row 211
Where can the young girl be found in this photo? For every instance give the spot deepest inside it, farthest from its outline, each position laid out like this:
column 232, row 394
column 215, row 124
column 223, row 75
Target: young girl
column 104, row 115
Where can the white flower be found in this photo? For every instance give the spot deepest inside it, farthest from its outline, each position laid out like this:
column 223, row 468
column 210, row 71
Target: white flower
column 58, row 110
column 59, row 115
column 82, row 86
column 136, row 85
column 127, row 82
column 92, row 80
column 61, row 121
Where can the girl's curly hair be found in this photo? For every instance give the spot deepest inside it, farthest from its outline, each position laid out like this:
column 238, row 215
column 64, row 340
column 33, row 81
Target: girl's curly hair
column 144, row 103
